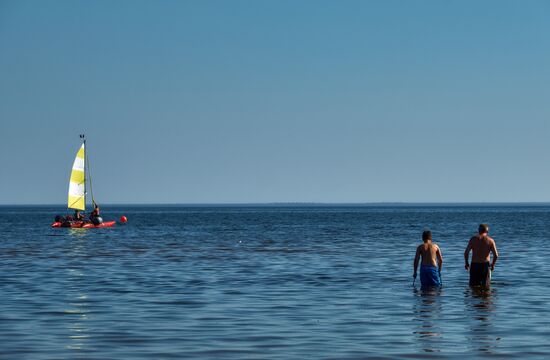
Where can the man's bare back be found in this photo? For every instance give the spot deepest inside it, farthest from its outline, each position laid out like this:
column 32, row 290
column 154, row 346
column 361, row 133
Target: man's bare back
column 481, row 246
column 429, row 253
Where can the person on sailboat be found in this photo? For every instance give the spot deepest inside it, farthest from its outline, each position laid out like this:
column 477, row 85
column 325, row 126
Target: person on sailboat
column 94, row 215
column 78, row 216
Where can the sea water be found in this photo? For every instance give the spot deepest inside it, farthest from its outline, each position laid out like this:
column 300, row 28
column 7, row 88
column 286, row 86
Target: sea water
column 270, row 282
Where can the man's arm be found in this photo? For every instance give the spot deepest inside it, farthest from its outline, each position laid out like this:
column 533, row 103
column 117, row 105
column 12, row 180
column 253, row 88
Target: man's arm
column 495, row 254
column 439, row 258
column 416, row 259
column 467, row 255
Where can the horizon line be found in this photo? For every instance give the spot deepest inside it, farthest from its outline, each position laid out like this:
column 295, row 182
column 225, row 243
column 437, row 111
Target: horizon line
column 308, row 203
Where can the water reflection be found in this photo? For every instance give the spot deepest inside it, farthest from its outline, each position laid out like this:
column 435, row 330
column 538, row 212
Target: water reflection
column 78, row 331
column 77, row 233
column 480, row 308
column 427, row 311
column 76, row 308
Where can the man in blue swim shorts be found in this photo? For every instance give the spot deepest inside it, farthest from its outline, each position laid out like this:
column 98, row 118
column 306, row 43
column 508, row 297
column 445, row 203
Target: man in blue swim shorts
column 432, row 261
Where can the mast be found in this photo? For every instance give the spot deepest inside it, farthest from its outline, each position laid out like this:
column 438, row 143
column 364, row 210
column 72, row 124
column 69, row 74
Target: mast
column 88, row 169
column 83, row 137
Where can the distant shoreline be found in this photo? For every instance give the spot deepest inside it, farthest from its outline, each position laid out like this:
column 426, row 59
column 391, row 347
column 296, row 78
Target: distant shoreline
column 307, row 204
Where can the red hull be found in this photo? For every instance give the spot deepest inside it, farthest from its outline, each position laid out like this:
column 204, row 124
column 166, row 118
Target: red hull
column 83, row 224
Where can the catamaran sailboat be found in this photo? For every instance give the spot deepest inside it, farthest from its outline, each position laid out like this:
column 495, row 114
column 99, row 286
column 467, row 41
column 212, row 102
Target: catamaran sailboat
column 77, row 194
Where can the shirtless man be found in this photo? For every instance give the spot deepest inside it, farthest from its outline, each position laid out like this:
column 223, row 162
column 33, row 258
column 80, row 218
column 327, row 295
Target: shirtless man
column 481, row 246
column 432, row 261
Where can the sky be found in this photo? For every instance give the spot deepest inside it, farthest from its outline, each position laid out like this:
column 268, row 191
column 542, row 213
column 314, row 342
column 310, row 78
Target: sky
column 276, row 101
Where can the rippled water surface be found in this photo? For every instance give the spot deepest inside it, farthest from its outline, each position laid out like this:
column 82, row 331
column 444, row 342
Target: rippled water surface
column 269, row 282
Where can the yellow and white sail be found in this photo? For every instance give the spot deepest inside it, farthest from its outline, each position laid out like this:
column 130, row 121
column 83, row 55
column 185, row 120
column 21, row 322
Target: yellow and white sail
column 77, row 186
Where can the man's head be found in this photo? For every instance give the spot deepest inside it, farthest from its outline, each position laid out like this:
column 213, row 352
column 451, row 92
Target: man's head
column 483, row 229
column 426, row 235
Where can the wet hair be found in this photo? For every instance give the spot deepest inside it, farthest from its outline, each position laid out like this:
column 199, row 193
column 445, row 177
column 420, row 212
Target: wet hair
column 483, row 228
column 426, row 235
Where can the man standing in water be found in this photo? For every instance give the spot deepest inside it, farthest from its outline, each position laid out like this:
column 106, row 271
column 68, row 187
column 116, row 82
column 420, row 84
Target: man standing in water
column 432, row 261
column 481, row 246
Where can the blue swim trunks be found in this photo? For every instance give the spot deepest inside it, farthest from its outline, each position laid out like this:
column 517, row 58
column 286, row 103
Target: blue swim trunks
column 429, row 276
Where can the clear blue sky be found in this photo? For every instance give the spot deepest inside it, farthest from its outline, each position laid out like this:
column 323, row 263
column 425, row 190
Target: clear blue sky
column 276, row 101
